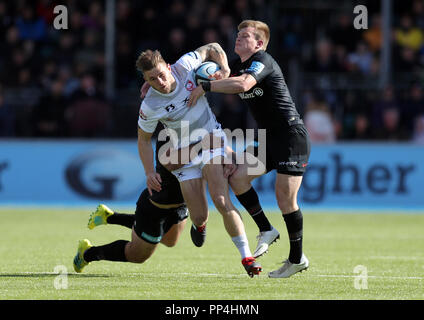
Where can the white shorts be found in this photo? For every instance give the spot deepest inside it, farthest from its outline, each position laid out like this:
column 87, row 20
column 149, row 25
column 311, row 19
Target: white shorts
column 193, row 170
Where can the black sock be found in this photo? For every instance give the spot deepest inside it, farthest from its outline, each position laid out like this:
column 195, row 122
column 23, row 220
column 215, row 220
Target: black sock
column 294, row 224
column 250, row 201
column 114, row 251
column 123, row 219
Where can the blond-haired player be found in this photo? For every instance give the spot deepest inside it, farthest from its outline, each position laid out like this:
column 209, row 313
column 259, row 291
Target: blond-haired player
column 259, row 81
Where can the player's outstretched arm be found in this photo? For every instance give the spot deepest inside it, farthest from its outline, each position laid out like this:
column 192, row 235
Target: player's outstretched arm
column 231, row 85
column 146, row 154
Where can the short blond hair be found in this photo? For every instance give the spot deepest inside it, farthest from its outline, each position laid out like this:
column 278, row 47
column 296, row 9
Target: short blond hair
column 261, row 30
column 147, row 60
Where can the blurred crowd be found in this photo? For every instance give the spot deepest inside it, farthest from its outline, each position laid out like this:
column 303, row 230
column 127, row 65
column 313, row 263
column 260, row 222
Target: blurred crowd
column 52, row 82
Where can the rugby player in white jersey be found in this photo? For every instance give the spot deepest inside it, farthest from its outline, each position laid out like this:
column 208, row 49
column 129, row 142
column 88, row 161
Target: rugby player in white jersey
column 166, row 102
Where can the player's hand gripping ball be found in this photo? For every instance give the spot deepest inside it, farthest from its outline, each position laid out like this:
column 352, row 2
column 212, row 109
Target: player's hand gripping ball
column 205, row 70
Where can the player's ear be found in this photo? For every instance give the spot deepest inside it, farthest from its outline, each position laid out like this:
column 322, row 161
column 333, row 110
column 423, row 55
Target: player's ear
column 168, row 66
column 259, row 44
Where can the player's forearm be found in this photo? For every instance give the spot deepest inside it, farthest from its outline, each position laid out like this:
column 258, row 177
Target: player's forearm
column 229, row 86
column 146, row 154
column 238, row 84
column 214, row 52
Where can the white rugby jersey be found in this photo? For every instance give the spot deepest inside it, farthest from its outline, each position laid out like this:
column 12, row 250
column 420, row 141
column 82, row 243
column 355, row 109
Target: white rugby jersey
column 171, row 109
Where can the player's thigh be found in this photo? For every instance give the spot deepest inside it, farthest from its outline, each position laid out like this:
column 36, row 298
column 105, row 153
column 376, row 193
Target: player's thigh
column 171, row 237
column 214, row 175
column 139, row 250
column 247, row 172
column 253, row 166
column 248, row 168
column 194, row 193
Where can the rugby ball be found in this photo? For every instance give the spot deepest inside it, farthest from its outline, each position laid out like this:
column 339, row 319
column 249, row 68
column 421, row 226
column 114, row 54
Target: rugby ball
column 203, row 72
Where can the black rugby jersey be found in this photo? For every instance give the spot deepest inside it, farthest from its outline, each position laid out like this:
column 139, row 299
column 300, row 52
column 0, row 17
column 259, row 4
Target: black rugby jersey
column 269, row 100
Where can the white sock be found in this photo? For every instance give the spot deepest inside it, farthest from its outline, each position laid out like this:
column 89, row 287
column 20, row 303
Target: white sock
column 242, row 245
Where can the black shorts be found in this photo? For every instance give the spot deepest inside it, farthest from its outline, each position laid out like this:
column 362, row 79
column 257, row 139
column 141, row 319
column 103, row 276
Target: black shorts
column 171, row 191
column 287, row 151
column 151, row 222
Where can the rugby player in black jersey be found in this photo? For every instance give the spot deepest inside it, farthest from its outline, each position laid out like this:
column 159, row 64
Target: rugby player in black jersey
column 259, row 81
column 159, row 217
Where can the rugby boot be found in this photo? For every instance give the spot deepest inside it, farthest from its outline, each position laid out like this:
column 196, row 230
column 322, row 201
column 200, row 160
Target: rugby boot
column 198, row 235
column 252, row 266
column 288, row 269
column 99, row 216
column 79, row 262
column 265, row 239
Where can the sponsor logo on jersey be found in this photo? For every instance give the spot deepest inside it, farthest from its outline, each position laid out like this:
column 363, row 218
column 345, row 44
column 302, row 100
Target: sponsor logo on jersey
column 257, row 92
column 256, row 67
column 189, row 85
column 185, row 101
column 170, row 108
column 287, row 163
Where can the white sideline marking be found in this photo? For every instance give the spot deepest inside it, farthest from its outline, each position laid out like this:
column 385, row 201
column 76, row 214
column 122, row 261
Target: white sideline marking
column 396, row 257
column 266, row 274
column 374, row 277
column 313, row 275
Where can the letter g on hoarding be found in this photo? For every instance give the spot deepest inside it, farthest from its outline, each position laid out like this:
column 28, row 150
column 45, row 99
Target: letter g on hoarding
column 105, row 174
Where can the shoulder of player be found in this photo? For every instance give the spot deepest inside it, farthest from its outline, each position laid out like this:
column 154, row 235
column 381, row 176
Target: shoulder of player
column 146, row 108
column 186, row 60
column 267, row 61
column 263, row 57
column 193, row 54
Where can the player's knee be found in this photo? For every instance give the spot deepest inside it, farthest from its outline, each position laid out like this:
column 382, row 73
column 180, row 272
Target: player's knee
column 134, row 257
column 135, row 254
column 169, row 243
column 220, row 202
column 139, row 259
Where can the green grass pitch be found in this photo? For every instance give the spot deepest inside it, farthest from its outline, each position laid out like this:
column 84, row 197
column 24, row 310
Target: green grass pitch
column 37, row 248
